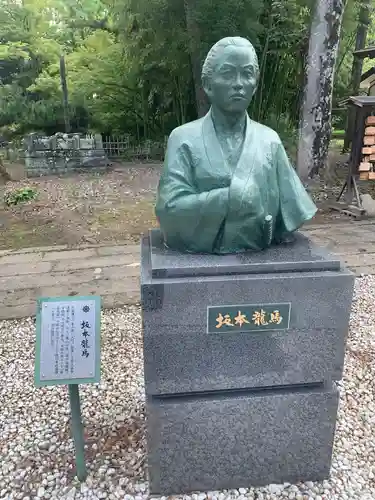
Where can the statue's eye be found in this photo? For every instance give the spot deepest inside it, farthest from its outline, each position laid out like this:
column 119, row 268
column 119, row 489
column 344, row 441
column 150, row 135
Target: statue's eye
column 226, row 73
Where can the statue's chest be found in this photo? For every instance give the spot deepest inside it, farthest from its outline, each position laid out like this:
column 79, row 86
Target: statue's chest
column 231, row 148
column 224, row 165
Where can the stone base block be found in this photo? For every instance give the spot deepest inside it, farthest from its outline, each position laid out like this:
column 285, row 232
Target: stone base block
column 184, row 352
column 233, row 439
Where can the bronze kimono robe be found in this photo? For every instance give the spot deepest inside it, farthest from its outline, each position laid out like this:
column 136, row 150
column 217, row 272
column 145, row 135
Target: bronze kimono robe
column 204, row 205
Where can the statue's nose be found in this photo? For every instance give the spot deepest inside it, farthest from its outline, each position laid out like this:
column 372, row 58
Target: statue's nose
column 238, row 83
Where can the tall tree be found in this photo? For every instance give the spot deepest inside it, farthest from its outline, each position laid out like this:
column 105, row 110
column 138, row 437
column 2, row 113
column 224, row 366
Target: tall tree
column 134, row 66
column 315, row 128
column 194, row 36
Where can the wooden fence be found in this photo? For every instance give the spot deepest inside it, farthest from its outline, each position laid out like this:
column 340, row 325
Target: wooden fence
column 126, row 147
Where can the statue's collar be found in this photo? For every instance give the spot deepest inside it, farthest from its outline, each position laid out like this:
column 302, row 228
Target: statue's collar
column 223, row 130
column 212, row 145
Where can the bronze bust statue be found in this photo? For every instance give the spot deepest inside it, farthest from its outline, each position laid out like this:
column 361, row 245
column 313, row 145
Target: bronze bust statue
column 227, row 185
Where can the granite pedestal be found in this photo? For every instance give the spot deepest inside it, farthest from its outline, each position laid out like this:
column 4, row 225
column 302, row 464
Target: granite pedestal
column 241, row 357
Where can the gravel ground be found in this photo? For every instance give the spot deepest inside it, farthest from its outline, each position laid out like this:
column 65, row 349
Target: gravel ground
column 36, row 452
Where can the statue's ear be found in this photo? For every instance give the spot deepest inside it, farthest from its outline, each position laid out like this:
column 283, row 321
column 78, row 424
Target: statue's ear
column 206, row 84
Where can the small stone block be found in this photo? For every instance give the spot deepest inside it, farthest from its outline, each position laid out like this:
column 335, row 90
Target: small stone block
column 370, row 120
column 372, row 157
column 367, row 151
column 233, row 440
column 370, row 131
column 364, row 166
column 371, row 176
column 364, row 176
column 369, row 140
column 182, row 356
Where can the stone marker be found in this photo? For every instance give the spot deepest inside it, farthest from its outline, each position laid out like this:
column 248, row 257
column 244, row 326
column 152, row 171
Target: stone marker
column 242, row 349
column 232, row 403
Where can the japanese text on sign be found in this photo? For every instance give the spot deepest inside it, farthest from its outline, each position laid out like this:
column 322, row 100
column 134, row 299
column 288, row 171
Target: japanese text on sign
column 248, row 317
column 258, row 318
column 85, row 327
column 67, row 339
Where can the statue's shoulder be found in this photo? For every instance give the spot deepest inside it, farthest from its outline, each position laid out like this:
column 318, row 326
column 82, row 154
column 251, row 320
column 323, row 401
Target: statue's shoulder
column 187, row 132
column 266, row 134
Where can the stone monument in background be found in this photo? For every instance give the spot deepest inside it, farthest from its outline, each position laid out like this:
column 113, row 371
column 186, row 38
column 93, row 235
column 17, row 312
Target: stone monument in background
column 245, row 320
column 64, row 153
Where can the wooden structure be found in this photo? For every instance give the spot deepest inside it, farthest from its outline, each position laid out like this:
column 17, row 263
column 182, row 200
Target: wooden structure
column 368, row 81
column 362, row 156
column 359, row 56
column 363, row 53
column 367, row 165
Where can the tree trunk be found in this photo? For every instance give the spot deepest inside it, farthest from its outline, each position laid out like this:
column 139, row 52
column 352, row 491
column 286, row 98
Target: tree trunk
column 64, row 88
column 362, row 28
column 315, row 127
column 195, row 56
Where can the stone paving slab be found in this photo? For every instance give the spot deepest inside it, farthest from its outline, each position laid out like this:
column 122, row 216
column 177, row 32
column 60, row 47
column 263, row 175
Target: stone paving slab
column 113, row 271
column 61, row 279
column 21, row 258
column 25, row 268
column 352, row 241
column 63, row 255
column 68, row 265
column 25, row 275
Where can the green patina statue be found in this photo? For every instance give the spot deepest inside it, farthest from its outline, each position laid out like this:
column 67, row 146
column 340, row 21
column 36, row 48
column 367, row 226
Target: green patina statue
column 227, row 185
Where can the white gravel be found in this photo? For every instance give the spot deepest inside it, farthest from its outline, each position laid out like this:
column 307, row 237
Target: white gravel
column 36, row 451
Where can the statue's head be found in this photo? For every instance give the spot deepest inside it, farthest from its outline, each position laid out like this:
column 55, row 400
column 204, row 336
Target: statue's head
column 230, row 74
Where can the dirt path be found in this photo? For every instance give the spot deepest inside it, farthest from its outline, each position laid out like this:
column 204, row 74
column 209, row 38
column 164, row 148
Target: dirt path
column 108, row 208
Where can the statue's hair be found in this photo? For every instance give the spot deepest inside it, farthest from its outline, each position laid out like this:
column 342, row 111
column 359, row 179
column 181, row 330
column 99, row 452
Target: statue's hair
column 209, row 63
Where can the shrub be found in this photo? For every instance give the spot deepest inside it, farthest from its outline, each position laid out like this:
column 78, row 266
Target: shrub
column 19, row 196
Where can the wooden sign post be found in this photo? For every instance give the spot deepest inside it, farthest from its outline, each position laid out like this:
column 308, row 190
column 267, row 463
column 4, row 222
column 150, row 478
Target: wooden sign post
column 68, row 353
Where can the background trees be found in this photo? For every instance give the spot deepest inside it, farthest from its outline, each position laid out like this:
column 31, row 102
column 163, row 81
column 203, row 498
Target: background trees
column 133, row 66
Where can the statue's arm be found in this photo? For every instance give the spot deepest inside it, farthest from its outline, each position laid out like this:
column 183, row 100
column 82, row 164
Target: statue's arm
column 296, row 206
column 190, row 219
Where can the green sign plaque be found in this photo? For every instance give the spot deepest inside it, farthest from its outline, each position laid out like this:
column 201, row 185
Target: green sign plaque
column 248, row 318
column 68, row 352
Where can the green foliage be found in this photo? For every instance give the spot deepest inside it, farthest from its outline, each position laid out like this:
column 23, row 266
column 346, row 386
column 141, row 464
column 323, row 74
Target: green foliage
column 129, row 62
column 20, row 195
column 287, row 132
column 347, row 46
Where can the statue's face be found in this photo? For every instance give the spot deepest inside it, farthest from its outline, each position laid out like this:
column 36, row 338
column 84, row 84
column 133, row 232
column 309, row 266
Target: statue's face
column 234, row 80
